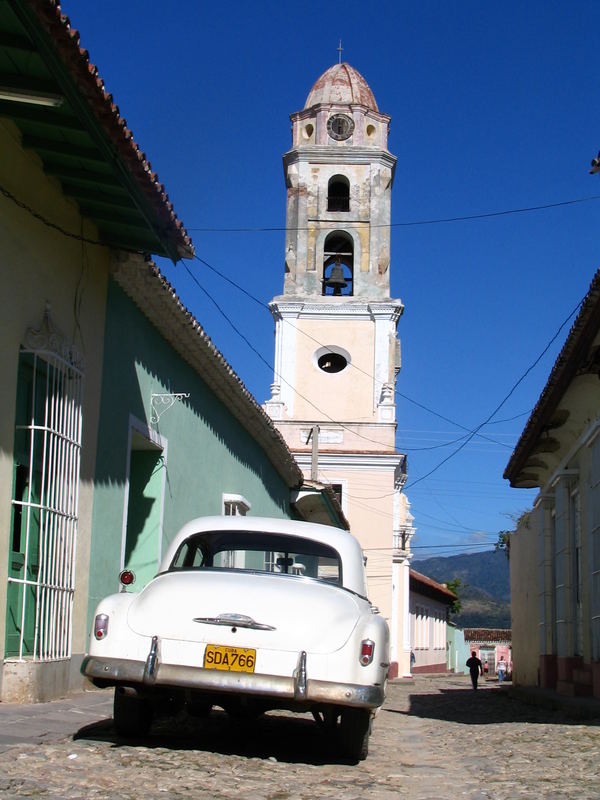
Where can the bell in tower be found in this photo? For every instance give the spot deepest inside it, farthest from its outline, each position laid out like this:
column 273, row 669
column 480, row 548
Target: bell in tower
column 335, row 279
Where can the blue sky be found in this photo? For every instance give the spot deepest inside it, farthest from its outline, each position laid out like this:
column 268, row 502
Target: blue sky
column 494, row 108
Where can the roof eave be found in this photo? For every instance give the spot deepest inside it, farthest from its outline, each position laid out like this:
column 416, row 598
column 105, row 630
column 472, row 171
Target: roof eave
column 580, row 337
column 58, row 44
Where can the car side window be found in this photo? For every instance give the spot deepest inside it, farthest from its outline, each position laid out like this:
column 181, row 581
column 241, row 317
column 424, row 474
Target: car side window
column 190, row 555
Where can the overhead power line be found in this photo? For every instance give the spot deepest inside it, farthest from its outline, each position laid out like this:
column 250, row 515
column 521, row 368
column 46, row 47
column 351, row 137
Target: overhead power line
column 448, row 546
column 321, row 344
column 502, row 402
column 410, row 223
column 45, row 221
column 270, row 366
column 464, row 440
column 78, row 237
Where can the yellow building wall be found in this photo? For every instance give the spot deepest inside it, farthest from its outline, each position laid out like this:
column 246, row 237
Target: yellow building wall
column 346, row 395
column 39, row 266
column 369, row 508
column 524, row 592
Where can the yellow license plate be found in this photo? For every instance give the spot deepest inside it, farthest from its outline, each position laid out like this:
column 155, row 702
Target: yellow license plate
column 229, row 659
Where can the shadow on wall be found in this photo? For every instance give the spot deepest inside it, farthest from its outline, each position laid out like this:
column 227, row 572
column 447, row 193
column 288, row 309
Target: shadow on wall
column 138, row 361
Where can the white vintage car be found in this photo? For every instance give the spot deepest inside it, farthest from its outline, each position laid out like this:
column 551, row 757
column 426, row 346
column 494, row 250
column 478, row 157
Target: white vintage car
column 249, row 614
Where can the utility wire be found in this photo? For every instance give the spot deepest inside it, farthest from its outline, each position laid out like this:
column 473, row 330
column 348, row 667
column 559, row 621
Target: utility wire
column 471, row 434
column 270, row 366
column 502, row 402
column 429, row 547
column 392, row 448
column 316, row 341
column 84, row 239
column 464, row 441
column 87, row 240
column 448, row 546
column 78, row 237
column 412, row 223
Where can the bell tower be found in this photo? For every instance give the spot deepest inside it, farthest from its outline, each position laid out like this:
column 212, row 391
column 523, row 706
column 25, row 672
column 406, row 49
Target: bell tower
column 337, row 354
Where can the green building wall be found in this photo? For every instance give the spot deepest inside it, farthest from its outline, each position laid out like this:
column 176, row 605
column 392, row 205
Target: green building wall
column 457, row 650
column 207, row 452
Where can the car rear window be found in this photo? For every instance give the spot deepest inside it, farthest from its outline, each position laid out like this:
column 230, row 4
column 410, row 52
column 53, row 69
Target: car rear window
column 259, row 552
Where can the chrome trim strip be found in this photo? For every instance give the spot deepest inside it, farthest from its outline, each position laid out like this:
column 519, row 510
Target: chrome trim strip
column 235, row 621
column 116, row 671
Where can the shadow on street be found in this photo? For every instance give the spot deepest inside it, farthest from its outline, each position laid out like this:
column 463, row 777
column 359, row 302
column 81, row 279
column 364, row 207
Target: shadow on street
column 290, row 739
column 482, row 707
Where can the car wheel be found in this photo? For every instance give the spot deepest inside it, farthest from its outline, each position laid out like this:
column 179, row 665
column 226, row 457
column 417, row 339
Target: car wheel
column 132, row 714
column 355, row 729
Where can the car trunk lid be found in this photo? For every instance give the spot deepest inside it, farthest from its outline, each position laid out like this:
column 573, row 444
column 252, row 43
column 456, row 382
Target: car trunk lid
column 280, row 612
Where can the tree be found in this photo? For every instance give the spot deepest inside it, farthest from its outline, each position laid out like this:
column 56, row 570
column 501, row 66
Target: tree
column 503, row 542
column 454, row 585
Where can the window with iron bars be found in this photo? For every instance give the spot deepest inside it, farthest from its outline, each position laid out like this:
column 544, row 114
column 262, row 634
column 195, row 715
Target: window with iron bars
column 47, row 450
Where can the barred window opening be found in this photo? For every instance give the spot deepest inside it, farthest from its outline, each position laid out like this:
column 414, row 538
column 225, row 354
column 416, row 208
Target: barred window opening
column 47, row 450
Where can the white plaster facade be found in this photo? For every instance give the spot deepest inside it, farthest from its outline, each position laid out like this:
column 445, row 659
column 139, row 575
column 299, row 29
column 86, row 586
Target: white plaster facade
column 429, row 604
column 336, row 349
column 555, row 552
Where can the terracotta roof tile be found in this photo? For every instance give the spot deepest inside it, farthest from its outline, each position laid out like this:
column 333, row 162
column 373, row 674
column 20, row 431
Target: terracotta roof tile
column 417, row 578
column 85, row 75
column 492, row 635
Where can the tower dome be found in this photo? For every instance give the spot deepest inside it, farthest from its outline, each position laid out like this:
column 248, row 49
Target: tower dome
column 341, row 84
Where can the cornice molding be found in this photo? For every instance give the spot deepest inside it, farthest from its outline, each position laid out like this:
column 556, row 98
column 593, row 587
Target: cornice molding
column 312, row 111
column 351, row 461
column 388, row 310
column 332, row 154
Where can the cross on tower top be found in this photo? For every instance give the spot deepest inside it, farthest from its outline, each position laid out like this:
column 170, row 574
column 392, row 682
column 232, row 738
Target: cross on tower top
column 340, row 49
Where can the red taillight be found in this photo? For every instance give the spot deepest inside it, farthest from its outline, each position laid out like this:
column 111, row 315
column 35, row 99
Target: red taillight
column 127, row 577
column 367, row 651
column 101, row 626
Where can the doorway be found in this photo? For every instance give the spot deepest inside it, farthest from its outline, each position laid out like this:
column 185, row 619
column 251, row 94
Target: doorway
column 144, row 507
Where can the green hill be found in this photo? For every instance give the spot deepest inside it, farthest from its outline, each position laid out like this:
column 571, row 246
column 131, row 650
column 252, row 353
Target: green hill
column 485, row 586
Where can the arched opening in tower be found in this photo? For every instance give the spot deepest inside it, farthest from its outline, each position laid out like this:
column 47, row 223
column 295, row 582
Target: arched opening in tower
column 338, row 194
column 338, row 264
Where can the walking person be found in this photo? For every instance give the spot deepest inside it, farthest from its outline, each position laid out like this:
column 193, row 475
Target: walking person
column 475, row 668
column 501, row 670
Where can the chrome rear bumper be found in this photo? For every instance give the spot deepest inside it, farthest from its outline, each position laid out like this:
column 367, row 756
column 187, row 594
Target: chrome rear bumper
column 295, row 689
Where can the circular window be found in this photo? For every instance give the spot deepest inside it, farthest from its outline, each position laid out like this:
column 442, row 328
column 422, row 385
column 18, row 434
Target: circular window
column 370, row 131
column 331, row 359
column 308, row 131
column 332, row 362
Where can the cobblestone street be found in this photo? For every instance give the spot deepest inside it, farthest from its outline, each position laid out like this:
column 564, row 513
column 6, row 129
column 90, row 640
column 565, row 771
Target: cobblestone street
column 434, row 738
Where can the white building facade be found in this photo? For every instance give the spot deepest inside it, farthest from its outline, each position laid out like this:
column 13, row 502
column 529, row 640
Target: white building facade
column 337, row 354
column 555, row 551
column 430, row 602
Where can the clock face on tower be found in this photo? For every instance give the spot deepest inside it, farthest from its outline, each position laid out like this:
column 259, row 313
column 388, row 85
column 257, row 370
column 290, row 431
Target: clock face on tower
column 340, row 126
